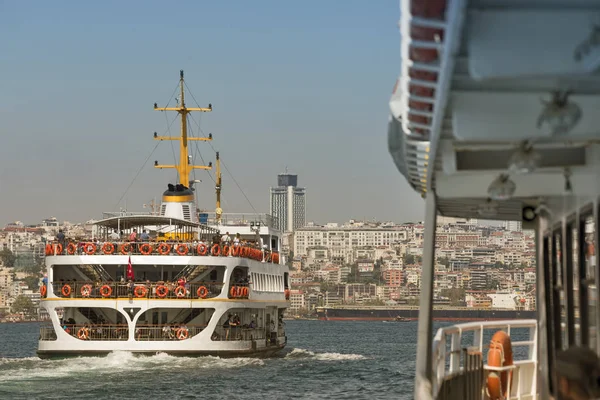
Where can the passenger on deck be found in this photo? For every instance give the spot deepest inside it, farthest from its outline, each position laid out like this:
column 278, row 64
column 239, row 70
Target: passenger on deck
column 252, row 324
column 114, row 235
column 236, row 240
column 133, row 236
column 226, row 239
column 144, row 236
column 578, row 374
column 61, row 238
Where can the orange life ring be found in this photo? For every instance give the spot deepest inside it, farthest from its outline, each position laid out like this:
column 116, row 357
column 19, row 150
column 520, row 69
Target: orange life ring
column 125, row 248
column 162, row 291
column 287, row 294
column 235, row 251
column 202, row 292
column 244, row 292
column 83, row 333
column 180, row 292
column 140, row 291
column 499, row 355
column 275, row 258
column 182, row 333
column 146, row 249
column 43, row 290
column 105, row 291
column 86, row 290
column 201, row 249
column 163, row 248
column 108, row 248
column 215, row 250
column 89, row 248
column 48, row 249
column 57, row 249
column 182, row 249
column 66, row 290
column 233, row 292
column 71, row 249
column 225, row 251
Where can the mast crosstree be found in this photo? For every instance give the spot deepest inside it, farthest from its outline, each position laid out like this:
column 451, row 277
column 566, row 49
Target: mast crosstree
column 185, row 166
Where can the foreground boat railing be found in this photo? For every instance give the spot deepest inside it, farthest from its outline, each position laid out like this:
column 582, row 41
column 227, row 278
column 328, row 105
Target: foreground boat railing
column 460, row 358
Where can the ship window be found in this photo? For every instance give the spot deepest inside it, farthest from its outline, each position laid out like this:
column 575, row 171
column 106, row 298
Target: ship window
column 163, row 209
column 589, row 324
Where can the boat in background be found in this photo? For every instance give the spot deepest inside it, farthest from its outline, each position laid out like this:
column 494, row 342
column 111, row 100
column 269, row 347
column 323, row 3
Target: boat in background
column 495, row 116
column 167, row 281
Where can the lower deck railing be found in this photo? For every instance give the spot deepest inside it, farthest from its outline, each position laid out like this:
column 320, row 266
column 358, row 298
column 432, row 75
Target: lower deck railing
column 460, row 365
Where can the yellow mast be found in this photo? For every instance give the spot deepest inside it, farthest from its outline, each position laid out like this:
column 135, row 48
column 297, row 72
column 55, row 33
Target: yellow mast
column 218, row 210
column 185, row 167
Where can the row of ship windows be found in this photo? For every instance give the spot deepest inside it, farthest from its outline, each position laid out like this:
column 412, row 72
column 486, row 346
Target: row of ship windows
column 267, row 282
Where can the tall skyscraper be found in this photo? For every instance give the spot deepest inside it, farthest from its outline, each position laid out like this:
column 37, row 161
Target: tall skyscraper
column 288, row 203
column 513, row 226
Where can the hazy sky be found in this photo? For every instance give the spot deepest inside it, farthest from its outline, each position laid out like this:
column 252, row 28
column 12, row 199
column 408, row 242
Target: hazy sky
column 301, row 84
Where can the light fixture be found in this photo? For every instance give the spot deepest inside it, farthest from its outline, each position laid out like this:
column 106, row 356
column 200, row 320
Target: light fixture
column 487, row 209
column 528, row 214
column 525, row 160
column 559, row 115
column 502, row 188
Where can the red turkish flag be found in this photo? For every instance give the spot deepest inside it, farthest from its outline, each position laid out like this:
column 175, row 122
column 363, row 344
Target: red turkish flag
column 130, row 270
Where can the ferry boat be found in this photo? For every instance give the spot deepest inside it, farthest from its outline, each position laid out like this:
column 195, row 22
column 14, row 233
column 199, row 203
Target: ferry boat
column 495, row 116
column 172, row 281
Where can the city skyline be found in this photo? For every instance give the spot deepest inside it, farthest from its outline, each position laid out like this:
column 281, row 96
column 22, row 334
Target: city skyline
column 285, row 86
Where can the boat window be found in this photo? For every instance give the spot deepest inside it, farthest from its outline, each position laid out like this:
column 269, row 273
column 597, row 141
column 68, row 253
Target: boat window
column 575, row 281
column 172, row 323
column 560, row 312
column 588, row 270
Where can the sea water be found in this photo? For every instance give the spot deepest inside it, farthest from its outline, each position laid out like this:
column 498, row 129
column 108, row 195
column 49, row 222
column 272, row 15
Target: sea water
column 323, row 360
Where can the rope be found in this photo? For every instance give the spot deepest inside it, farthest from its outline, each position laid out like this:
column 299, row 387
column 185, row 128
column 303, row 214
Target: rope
column 224, row 166
column 136, row 175
column 140, row 170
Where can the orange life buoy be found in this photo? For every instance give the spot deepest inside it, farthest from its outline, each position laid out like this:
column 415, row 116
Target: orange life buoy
column 43, row 290
column 201, row 249
column 235, row 251
column 225, row 251
column 89, row 248
column 233, row 292
column 48, row 249
column 71, row 249
column 202, row 292
column 83, row 333
column 244, row 292
column 499, row 355
column 215, row 250
column 66, row 290
column 180, row 292
column 125, row 248
column 182, row 333
column 162, row 291
column 86, row 290
column 105, row 291
column 275, row 258
column 140, row 291
column 57, row 248
column 108, row 248
column 287, row 294
column 182, row 249
column 164, row 248
column 146, row 249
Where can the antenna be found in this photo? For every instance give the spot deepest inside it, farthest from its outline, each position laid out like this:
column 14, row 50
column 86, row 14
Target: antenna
column 185, row 165
column 218, row 210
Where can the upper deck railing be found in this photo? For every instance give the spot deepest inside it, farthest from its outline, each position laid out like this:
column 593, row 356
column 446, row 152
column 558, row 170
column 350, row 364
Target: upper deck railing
column 453, row 345
column 162, row 248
